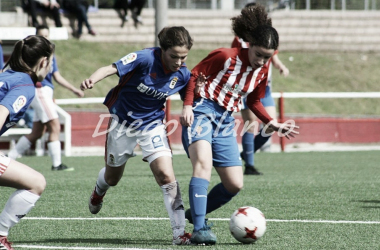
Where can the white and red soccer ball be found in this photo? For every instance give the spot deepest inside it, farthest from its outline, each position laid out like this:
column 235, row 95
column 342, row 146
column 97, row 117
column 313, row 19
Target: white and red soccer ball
column 247, row 224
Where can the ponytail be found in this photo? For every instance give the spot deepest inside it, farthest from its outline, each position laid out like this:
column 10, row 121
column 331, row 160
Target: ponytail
column 28, row 52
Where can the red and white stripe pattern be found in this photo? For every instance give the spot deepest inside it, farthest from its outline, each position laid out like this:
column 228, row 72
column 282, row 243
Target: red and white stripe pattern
column 229, row 77
column 4, row 163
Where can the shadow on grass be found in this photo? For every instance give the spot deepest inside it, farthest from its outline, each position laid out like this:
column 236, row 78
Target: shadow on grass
column 374, row 202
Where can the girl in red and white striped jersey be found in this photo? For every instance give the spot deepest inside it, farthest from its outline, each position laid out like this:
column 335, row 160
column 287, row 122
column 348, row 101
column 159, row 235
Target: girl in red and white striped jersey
column 208, row 125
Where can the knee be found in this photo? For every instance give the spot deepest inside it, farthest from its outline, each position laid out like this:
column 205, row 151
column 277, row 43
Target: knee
column 235, row 188
column 39, row 184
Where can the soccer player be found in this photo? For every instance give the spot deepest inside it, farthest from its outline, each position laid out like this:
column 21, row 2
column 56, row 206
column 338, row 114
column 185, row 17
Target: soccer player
column 208, row 134
column 29, row 63
column 136, row 105
column 250, row 142
column 46, row 115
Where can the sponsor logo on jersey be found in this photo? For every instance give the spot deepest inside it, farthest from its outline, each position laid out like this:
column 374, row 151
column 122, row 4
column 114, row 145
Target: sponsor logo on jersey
column 151, row 92
column 173, row 82
column 19, row 103
column 157, row 141
column 233, row 89
column 128, row 58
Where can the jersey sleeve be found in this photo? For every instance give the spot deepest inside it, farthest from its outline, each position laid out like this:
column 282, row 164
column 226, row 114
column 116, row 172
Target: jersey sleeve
column 131, row 61
column 18, row 99
column 209, row 66
column 255, row 105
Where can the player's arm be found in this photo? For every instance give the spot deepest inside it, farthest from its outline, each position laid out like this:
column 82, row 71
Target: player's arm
column 98, row 75
column 255, row 105
column 4, row 114
column 64, row 83
column 277, row 63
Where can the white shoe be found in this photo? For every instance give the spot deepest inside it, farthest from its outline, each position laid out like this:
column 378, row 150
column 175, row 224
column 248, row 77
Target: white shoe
column 183, row 239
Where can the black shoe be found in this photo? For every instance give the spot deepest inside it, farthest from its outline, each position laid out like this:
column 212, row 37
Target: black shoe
column 62, row 167
column 188, row 216
column 251, row 170
column 242, row 156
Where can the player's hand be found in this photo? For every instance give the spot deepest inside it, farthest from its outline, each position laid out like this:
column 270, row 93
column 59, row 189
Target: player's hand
column 187, row 116
column 201, row 81
column 287, row 129
column 78, row 92
column 87, row 84
column 284, row 71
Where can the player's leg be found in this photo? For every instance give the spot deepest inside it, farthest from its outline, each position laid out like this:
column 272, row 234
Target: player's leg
column 25, row 142
column 29, row 184
column 119, row 148
column 156, row 151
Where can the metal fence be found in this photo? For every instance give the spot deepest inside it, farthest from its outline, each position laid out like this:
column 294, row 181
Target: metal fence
column 8, row 5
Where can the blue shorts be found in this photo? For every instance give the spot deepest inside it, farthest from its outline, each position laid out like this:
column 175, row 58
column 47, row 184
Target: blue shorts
column 267, row 101
column 215, row 125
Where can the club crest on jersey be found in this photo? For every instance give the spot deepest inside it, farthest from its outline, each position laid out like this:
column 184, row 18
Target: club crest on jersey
column 128, row 58
column 173, row 82
column 19, row 103
column 157, row 141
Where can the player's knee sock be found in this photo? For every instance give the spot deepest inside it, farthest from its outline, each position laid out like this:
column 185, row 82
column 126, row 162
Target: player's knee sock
column 198, row 201
column 101, row 184
column 17, row 206
column 54, row 148
column 217, row 197
column 260, row 139
column 22, row 145
column 248, row 145
column 174, row 206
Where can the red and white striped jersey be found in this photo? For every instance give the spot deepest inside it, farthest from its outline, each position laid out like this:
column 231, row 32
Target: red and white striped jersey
column 229, row 77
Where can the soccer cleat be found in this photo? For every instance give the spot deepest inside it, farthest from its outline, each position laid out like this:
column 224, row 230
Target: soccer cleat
column 62, row 167
column 96, row 202
column 183, row 239
column 188, row 216
column 251, row 170
column 5, row 244
column 204, row 236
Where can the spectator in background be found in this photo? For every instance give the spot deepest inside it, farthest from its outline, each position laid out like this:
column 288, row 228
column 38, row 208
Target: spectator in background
column 29, row 63
column 46, row 5
column 79, row 8
column 135, row 6
column 45, row 115
column 250, row 142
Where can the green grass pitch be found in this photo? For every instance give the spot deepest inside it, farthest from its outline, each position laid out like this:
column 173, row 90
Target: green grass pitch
column 316, row 200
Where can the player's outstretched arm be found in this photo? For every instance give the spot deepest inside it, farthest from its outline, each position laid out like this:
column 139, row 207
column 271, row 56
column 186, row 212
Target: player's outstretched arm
column 97, row 76
column 280, row 66
column 287, row 129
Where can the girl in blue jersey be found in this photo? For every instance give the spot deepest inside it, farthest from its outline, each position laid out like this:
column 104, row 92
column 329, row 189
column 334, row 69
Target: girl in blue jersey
column 29, row 63
column 136, row 105
column 46, row 115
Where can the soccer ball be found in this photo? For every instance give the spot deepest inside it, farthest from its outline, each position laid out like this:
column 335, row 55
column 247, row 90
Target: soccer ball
column 247, row 224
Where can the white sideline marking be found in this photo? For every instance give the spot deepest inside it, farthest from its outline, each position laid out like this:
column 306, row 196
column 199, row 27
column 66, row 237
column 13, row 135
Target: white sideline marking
column 214, row 219
column 77, row 248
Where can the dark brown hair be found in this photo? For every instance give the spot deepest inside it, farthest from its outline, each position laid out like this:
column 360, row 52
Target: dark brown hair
column 254, row 26
column 175, row 36
column 27, row 53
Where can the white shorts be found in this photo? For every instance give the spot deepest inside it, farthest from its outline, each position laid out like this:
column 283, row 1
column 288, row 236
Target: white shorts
column 121, row 141
column 4, row 163
column 43, row 105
